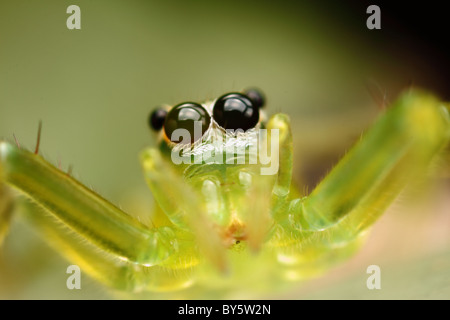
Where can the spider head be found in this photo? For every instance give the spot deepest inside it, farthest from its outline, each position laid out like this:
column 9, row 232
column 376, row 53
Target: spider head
column 220, row 149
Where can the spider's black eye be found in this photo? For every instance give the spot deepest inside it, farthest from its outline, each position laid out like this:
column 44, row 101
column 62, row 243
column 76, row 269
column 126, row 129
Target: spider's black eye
column 185, row 116
column 235, row 111
column 157, row 118
column 256, row 96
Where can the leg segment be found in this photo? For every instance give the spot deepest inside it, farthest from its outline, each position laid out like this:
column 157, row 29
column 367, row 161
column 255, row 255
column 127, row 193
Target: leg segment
column 82, row 210
column 103, row 266
column 182, row 206
column 328, row 225
column 399, row 146
column 6, row 207
column 281, row 122
column 282, row 188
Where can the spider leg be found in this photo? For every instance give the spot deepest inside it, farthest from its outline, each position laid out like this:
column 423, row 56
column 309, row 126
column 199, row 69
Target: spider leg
column 82, row 210
column 102, row 265
column 397, row 148
column 282, row 188
column 270, row 190
column 182, row 205
column 281, row 123
column 328, row 225
column 6, row 207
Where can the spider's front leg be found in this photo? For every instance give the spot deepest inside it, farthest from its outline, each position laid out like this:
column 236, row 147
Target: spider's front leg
column 325, row 225
column 6, row 207
column 398, row 148
column 83, row 212
column 104, row 266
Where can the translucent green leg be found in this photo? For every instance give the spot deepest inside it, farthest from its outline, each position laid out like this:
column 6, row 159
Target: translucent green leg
column 328, row 225
column 182, row 205
column 399, row 146
column 281, row 122
column 272, row 191
column 282, row 187
column 99, row 264
column 6, row 205
column 82, row 210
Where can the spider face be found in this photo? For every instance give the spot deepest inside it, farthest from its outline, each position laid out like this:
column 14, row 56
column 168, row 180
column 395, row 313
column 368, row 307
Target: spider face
column 214, row 145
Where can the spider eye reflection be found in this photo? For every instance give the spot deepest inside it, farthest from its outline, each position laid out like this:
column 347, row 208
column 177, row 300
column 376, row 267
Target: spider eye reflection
column 184, row 116
column 235, row 111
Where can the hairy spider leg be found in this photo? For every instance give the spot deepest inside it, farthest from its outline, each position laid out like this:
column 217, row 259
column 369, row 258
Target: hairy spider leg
column 389, row 156
column 328, row 225
column 82, row 210
column 272, row 195
column 283, row 189
column 6, row 208
column 102, row 265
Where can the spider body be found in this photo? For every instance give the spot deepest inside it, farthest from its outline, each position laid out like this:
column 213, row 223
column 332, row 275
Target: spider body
column 225, row 223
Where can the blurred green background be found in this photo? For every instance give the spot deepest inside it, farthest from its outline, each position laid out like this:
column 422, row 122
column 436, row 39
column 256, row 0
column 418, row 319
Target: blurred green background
column 94, row 89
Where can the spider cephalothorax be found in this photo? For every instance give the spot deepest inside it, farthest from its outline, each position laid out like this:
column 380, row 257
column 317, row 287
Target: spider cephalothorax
column 226, row 220
column 217, row 156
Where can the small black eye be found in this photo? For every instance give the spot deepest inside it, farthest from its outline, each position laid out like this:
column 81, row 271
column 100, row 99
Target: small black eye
column 235, row 111
column 256, row 96
column 184, row 116
column 157, row 118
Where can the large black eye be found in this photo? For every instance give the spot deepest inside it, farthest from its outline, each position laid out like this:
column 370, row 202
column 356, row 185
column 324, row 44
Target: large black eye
column 235, row 111
column 185, row 116
column 157, row 118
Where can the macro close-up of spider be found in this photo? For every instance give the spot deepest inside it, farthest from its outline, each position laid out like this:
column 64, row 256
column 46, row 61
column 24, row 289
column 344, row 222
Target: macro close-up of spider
column 223, row 150
column 222, row 226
